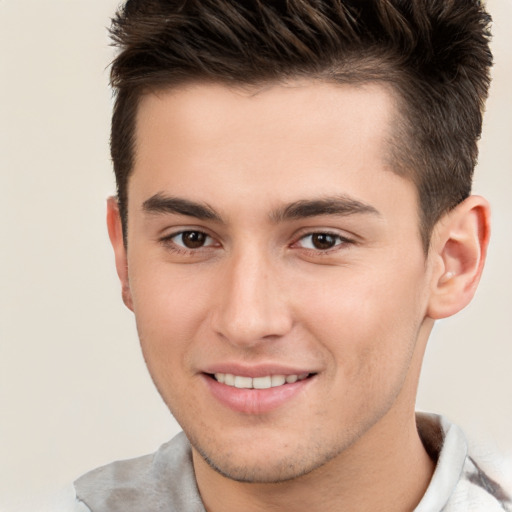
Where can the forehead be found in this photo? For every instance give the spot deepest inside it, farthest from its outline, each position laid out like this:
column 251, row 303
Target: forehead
column 309, row 106
column 301, row 114
column 281, row 141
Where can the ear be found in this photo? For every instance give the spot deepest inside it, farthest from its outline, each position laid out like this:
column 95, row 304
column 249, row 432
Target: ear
column 115, row 232
column 459, row 247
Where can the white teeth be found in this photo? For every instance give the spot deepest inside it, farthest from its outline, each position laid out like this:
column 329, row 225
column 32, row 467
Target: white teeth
column 262, row 382
column 243, row 382
column 269, row 381
column 278, row 380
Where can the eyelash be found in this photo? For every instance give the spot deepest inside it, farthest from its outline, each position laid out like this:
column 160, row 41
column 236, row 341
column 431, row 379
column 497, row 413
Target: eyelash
column 340, row 241
column 170, row 244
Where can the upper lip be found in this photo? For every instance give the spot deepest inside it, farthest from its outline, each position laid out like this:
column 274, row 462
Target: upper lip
column 253, row 371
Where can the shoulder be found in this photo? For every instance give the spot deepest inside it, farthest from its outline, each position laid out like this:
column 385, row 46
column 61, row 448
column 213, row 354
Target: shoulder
column 160, row 481
column 459, row 483
column 477, row 490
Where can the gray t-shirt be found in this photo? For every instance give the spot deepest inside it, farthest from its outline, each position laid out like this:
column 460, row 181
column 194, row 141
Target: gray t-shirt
column 164, row 481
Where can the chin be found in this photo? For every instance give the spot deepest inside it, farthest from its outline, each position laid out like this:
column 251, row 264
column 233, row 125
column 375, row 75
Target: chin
column 261, row 473
column 267, row 465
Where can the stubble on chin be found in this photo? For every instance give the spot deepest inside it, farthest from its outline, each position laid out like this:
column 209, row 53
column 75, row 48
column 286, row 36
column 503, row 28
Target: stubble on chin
column 300, row 462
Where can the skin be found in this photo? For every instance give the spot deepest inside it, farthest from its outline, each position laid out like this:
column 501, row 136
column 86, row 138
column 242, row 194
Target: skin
column 356, row 315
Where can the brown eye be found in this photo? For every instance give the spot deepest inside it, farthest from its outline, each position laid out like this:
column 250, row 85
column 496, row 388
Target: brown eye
column 323, row 241
column 193, row 239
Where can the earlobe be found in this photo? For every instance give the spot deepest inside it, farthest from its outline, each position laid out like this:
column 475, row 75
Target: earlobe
column 459, row 248
column 115, row 233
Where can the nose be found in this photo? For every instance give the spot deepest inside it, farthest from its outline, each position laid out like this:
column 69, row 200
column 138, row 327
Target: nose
column 251, row 306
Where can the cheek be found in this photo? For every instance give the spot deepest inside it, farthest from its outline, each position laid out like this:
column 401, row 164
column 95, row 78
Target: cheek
column 169, row 311
column 170, row 306
column 368, row 321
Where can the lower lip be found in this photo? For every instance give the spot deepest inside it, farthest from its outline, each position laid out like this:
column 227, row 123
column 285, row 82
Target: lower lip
column 255, row 401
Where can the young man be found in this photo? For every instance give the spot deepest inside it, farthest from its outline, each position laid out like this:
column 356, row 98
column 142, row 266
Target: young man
column 293, row 214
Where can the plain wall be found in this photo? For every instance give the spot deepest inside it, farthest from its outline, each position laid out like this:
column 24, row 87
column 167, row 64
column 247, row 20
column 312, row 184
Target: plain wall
column 74, row 391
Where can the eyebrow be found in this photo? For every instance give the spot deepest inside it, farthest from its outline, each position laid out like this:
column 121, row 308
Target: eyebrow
column 160, row 203
column 338, row 206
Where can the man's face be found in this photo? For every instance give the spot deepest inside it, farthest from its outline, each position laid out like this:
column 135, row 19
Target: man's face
column 270, row 244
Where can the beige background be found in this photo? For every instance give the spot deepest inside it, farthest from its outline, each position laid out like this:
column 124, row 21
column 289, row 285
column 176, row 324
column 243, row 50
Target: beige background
column 74, row 392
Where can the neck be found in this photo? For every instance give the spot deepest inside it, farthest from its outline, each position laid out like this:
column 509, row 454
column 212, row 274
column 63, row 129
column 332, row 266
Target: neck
column 379, row 472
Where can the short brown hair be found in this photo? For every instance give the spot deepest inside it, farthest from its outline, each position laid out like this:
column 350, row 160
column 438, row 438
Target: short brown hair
column 434, row 53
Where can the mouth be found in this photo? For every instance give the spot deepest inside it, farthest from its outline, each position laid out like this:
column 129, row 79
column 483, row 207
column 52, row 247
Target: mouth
column 257, row 395
column 264, row 382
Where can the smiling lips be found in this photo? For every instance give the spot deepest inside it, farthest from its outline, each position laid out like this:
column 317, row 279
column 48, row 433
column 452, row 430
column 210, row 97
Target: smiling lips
column 256, row 395
column 266, row 382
